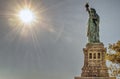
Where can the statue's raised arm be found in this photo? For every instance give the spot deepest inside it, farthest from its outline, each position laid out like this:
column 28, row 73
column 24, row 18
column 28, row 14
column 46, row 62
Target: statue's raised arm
column 87, row 7
column 93, row 25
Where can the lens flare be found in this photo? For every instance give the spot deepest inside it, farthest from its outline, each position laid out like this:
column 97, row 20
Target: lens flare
column 26, row 15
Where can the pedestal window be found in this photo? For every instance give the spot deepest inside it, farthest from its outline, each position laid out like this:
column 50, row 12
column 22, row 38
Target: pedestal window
column 90, row 55
column 98, row 55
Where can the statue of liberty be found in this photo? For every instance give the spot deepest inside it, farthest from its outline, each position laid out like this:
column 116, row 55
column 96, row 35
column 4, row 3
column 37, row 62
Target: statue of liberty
column 93, row 25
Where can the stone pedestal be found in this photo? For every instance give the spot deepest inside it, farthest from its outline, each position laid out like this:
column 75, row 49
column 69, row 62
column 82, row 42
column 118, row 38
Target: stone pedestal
column 94, row 62
column 95, row 78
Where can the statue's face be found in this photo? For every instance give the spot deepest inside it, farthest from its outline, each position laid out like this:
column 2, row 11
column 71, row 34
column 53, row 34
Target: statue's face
column 92, row 11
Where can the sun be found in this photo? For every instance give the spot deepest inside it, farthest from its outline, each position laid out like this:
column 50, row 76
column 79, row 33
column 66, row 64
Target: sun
column 26, row 16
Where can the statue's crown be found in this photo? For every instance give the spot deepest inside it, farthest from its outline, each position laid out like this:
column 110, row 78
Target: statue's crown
column 92, row 9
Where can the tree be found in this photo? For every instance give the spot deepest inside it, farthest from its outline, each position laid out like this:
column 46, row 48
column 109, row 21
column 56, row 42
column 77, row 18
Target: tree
column 113, row 55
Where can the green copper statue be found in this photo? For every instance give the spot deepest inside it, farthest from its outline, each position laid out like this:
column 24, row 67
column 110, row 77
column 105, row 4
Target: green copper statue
column 93, row 25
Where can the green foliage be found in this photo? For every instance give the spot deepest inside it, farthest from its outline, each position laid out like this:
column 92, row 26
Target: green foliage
column 114, row 57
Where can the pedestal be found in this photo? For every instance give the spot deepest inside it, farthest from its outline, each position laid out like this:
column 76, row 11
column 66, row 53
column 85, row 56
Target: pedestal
column 94, row 62
column 95, row 78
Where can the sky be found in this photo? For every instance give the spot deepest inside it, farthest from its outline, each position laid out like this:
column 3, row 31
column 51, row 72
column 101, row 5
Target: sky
column 54, row 47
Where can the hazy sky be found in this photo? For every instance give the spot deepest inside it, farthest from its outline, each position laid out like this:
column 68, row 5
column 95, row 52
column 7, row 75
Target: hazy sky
column 53, row 48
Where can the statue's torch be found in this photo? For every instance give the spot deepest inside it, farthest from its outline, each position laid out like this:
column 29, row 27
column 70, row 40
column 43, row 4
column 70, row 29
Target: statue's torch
column 87, row 7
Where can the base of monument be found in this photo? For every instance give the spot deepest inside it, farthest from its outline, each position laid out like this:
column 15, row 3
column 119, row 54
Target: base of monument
column 95, row 78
